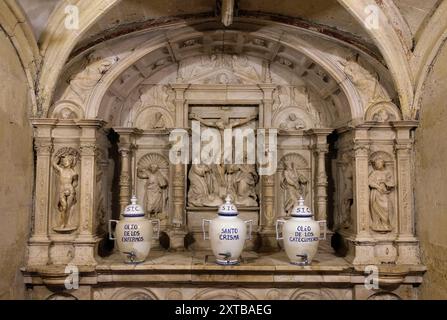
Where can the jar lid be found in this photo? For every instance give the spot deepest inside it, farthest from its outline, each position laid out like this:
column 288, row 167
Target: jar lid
column 301, row 210
column 133, row 209
column 228, row 209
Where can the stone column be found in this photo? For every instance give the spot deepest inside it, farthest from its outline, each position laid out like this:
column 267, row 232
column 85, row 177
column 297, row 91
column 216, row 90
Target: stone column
column 181, row 112
column 86, row 241
column 267, row 107
column 125, row 181
column 126, row 147
column 321, row 183
column 177, row 232
column 268, row 214
column 320, row 148
column 38, row 247
column 361, row 244
column 408, row 245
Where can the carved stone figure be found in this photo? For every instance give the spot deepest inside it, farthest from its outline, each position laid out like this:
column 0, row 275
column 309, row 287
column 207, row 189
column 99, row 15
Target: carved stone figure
column 224, row 122
column 367, row 83
column 200, row 181
column 66, row 114
column 294, row 184
column 64, row 163
column 83, row 82
column 292, row 122
column 381, row 184
column 346, row 193
column 155, row 197
column 383, row 116
column 245, row 180
column 159, row 95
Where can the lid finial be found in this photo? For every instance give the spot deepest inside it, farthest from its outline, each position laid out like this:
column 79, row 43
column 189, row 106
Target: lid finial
column 301, row 210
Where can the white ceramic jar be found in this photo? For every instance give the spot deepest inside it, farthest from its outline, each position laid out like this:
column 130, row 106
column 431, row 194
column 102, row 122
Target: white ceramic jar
column 301, row 234
column 227, row 233
column 134, row 233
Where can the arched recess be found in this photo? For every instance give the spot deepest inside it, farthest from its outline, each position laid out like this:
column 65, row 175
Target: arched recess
column 59, row 41
column 300, row 45
column 390, row 44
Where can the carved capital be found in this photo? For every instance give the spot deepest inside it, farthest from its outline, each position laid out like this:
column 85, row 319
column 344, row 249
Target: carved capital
column 403, row 147
column 361, row 149
column 88, row 149
column 124, row 152
column 43, row 147
column 321, row 149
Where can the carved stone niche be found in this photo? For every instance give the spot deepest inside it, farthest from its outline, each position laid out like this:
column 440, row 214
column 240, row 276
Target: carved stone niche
column 295, row 171
column 65, row 208
column 153, row 186
column 152, row 176
column 382, row 195
column 293, row 181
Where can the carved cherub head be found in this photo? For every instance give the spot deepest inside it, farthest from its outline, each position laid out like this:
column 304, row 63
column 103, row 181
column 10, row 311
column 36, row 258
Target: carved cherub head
column 153, row 168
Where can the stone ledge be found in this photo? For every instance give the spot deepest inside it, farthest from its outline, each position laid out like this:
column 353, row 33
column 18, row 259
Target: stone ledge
column 199, row 268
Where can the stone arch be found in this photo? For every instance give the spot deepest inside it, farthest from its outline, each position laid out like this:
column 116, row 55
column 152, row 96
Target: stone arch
column 312, row 294
column 224, row 294
column 296, row 158
column 389, row 43
column 134, row 294
column 332, row 67
column 57, row 53
column 61, row 296
column 153, row 158
column 142, row 119
column 67, row 107
column 374, row 112
column 384, row 296
column 307, row 121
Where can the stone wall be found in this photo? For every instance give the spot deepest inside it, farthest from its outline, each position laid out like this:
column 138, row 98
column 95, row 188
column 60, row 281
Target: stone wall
column 431, row 183
column 16, row 170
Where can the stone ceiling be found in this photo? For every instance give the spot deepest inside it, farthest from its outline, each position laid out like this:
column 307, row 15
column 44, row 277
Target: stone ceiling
column 327, row 13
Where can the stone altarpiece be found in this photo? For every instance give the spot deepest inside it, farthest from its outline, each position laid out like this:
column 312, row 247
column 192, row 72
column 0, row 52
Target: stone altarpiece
column 361, row 183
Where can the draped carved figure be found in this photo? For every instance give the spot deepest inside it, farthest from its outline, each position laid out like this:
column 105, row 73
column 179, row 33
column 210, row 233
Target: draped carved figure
column 156, row 186
column 347, row 193
column 294, row 184
column 202, row 184
column 381, row 184
column 64, row 163
column 246, row 179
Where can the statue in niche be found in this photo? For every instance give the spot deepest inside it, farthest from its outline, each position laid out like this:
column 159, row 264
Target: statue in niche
column 292, row 122
column 347, row 192
column 64, row 164
column 367, row 83
column 201, row 180
column 381, row 184
column 83, row 82
column 246, row 179
column 294, row 184
column 156, row 195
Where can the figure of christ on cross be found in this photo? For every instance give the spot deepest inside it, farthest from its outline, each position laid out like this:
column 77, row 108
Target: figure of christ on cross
column 223, row 123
